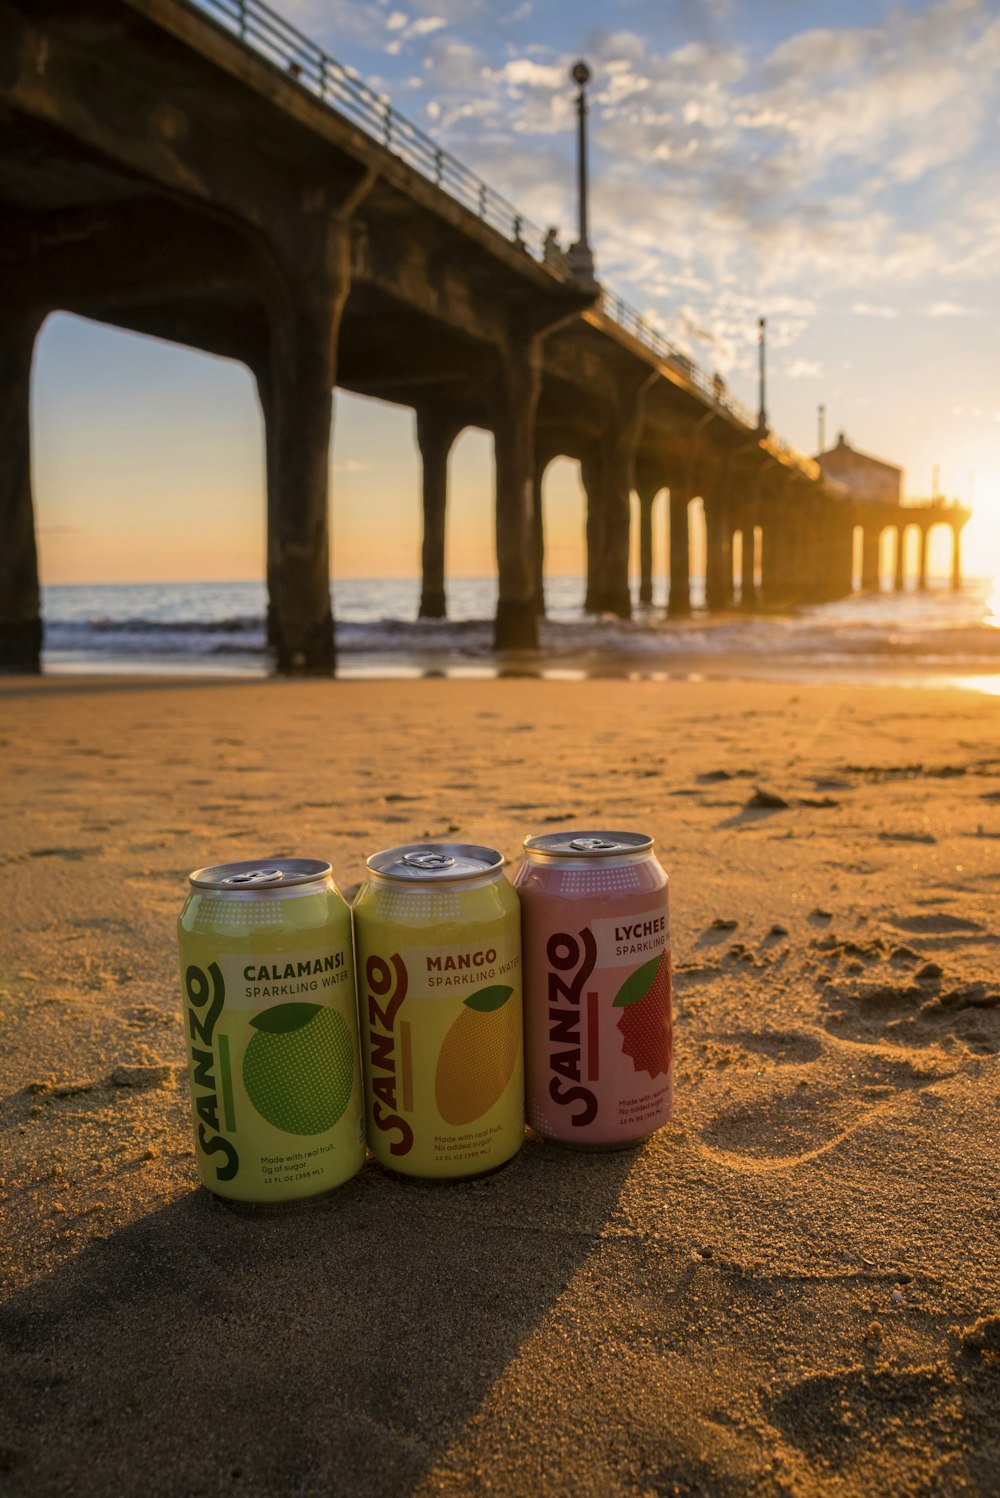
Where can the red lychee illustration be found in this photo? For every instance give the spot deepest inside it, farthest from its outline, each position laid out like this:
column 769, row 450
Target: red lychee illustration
column 644, row 999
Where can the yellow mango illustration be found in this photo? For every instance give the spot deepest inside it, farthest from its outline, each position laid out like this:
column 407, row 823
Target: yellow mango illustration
column 477, row 1055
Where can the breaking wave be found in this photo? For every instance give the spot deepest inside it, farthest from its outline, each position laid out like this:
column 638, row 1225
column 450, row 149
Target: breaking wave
column 216, row 627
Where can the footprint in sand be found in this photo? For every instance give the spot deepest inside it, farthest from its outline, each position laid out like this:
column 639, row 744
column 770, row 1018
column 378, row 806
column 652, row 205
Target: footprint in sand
column 907, row 837
column 73, row 855
column 860, row 1423
column 793, row 1047
column 835, row 947
column 717, row 931
column 799, row 1117
column 915, row 1013
column 935, row 923
column 835, row 1418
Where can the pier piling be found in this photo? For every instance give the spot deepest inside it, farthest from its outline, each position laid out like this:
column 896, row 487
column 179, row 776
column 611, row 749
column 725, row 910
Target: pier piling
column 679, row 603
column 20, row 610
column 515, row 403
column 304, row 309
column 436, row 433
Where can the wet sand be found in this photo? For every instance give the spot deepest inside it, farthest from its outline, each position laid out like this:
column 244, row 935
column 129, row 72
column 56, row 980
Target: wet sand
column 793, row 1289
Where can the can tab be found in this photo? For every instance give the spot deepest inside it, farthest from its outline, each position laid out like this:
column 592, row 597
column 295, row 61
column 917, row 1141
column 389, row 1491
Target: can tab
column 428, row 860
column 256, row 877
column 592, row 845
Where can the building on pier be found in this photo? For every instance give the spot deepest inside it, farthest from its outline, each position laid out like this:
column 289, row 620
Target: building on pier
column 869, row 480
column 874, row 489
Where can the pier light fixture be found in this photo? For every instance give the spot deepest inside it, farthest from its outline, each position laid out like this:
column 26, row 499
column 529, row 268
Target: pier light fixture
column 581, row 259
column 761, row 353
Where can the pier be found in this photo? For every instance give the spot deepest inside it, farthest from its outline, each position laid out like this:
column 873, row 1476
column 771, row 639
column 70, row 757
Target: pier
column 207, row 175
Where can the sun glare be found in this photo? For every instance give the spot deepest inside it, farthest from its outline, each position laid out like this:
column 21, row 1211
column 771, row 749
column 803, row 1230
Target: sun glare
column 992, row 614
column 981, row 537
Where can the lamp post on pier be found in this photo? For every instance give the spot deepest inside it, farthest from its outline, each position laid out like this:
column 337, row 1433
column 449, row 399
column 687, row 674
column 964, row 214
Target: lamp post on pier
column 581, row 259
column 762, row 349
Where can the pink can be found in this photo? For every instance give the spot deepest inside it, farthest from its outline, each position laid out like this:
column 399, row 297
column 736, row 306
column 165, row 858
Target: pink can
column 595, row 925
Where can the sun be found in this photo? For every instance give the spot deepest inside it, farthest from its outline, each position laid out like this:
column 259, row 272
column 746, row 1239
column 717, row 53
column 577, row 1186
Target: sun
column 981, row 537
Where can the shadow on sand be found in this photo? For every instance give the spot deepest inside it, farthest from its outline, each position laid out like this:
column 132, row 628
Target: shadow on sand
column 338, row 1347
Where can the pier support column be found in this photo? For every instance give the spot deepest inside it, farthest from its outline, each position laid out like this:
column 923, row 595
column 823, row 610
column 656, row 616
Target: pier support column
column 771, row 562
column 607, row 477
column 538, row 520
column 617, row 536
column 956, row 557
column 748, row 580
column 778, row 561
column 846, row 556
column 922, row 559
column 594, row 480
column 869, row 559
column 436, row 433
column 645, row 546
column 543, row 457
column 718, row 552
column 679, row 602
column 20, row 612
column 753, row 508
column 822, row 550
column 766, row 561
column 304, row 308
column 838, row 545
column 516, row 402
column 620, row 444
column 647, row 488
column 898, row 576
column 801, row 544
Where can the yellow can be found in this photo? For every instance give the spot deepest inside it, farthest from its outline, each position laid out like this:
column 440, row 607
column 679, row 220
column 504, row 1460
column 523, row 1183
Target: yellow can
column 438, row 941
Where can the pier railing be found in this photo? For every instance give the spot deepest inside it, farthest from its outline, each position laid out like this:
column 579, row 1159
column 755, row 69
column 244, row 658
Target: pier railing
column 618, row 311
column 343, row 89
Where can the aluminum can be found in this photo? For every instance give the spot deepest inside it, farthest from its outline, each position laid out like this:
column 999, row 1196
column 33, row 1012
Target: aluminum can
column 438, row 935
column 270, row 1015
column 598, row 1034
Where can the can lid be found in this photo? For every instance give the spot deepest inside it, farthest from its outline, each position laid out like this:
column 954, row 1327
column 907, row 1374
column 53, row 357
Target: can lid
column 437, row 862
column 588, row 844
column 260, row 874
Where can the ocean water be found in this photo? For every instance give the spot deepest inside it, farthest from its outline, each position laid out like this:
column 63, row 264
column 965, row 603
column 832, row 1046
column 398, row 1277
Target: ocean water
column 218, row 628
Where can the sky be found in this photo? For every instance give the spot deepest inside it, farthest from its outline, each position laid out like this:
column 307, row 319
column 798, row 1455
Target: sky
column 830, row 166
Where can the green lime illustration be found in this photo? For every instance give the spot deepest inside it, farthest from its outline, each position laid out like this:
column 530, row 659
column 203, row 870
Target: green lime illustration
column 298, row 1069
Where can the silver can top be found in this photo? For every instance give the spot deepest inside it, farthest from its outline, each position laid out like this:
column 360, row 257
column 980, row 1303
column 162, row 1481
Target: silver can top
column 261, row 876
column 589, row 845
column 436, row 863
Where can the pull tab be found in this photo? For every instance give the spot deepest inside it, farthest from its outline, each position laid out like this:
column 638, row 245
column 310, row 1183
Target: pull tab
column 257, row 877
column 428, row 860
column 592, row 845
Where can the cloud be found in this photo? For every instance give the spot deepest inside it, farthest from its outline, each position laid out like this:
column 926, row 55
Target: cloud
column 804, row 369
column 948, row 309
column 823, row 165
column 340, row 25
column 524, row 71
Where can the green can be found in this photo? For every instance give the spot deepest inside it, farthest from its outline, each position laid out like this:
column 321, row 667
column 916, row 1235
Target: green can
column 270, row 1015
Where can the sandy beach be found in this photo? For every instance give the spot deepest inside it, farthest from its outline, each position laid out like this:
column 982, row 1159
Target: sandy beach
column 793, row 1289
